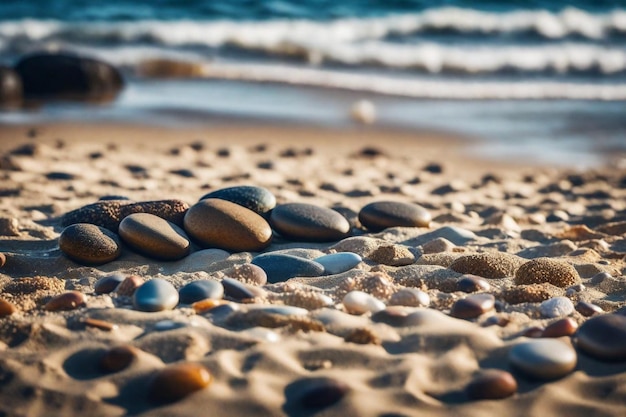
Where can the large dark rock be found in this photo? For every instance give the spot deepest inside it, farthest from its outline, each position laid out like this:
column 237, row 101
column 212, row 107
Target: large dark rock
column 10, row 88
column 68, row 76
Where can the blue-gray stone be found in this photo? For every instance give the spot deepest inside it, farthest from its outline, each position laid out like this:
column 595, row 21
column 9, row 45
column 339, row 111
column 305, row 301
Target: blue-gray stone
column 236, row 289
column 200, row 290
column 282, row 267
column 108, row 283
column 309, row 223
column 336, row 263
column 155, row 295
column 543, row 358
column 257, row 199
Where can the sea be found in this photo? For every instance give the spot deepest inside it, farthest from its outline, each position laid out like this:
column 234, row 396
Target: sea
column 534, row 80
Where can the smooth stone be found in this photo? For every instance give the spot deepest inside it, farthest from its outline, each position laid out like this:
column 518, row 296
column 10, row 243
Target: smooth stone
column 562, row 327
column 165, row 325
column 247, row 273
column 221, row 313
column 282, row 267
column 3, row 259
column 380, row 215
column 177, row 381
column 471, row 283
column 262, row 334
column 237, row 289
column 491, row 384
column 118, row 358
column 207, row 304
column 279, row 309
column 155, row 295
column 556, row 307
column 257, row 199
column 339, row 262
column 225, row 225
column 70, row 300
column 154, row 237
column 588, row 309
column 411, row 297
column 108, row 283
column 89, row 244
column 473, row 306
column 6, row 308
column 359, row 302
column 129, row 285
column 322, row 392
column 543, row 358
column 603, row 337
column 392, row 315
column 309, row 223
column 200, row 290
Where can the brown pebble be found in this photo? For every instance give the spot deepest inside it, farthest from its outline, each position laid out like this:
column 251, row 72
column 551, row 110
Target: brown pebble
column 604, row 337
column 588, row 309
column 88, row 244
column 488, row 264
column 563, row 327
column 6, row 308
column 472, row 283
column 380, row 215
column 548, row 270
column 248, row 273
column 473, row 306
column 491, row 384
column 176, row 381
column 100, row 324
column 118, row 358
column 66, row 301
column 129, row 285
column 3, row 259
column 154, row 237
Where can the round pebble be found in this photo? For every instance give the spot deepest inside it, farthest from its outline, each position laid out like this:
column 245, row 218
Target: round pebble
column 322, row 392
column 380, row 215
column 491, row 384
column 155, row 295
column 556, row 307
column 89, row 244
column 562, row 327
column 118, row 358
column 359, row 302
column 225, row 225
column 336, row 263
column 200, row 290
column 309, row 223
column 543, row 358
column 604, row 337
column 411, row 297
column 237, row 289
column 588, row 309
column 154, row 237
column 471, row 283
column 66, row 301
column 6, row 308
column 473, row 306
column 549, row 270
column 108, row 283
column 488, row 264
column 257, row 199
column 177, row 381
column 280, row 267
column 129, row 285
column 247, row 273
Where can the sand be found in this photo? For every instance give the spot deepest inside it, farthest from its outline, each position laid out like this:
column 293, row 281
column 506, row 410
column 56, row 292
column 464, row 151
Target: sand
column 49, row 359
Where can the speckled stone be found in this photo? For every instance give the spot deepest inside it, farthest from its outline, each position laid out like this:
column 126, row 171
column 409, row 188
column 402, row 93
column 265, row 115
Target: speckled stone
column 411, row 297
column 155, row 295
column 309, row 223
column 491, row 384
column 177, row 381
column 543, row 358
column 472, row 306
column 380, row 215
column 129, row 285
column 588, row 309
column 555, row 272
column 604, row 337
column 359, row 302
column 247, row 273
column 108, row 283
column 6, row 308
column 200, row 290
column 154, row 237
column 534, row 293
column 392, row 255
column 471, row 283
column 556, row 307
column 221, row 224
column 563, row 327
column 257, row 199
column 280, row 267
column 336, row 263
column 322, row 392
column 67, row 301
column 488, row 264
column 118, row 358
column 88, row 244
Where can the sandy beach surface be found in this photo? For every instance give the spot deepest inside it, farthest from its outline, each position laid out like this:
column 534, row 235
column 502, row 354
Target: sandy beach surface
column 507, row 299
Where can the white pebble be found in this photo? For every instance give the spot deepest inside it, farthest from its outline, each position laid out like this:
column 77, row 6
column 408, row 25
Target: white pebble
column 359, row 302
column 557, row 307
column 363, row 111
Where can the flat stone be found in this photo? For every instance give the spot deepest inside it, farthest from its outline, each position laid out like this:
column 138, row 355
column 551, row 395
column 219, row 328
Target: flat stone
column 471, row 283
column 221, row 224
column 309, row 223
column 563, row 327
column 247, row 273
column 549, row 270
column 177, row 381
column 67, row 301
column 154, row 237
column 491, row 384
column 604, row 337
column 336, row 263
column 359, row 302
column 556, row 307
column 543, row 358
column 108, row 283
column 200, row 290
column 88, row 244
column 257, row 199
column 380, row 215
column 411, row 297
column 6, row 308
column 118, row 358
column 282, row 267
column 488, row 264
column 155, row 295
column 473, row 306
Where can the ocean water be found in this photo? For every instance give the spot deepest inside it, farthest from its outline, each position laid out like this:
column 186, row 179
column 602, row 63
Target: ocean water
column 539, row 78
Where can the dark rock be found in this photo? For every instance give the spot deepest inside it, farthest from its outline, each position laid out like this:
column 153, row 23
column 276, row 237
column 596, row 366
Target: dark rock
column 472, row 306
column 257, row 199
column 604, row 337
column 280, row 267
column 307, row 222
column 66, row 301
column 491, row 384
column 200, row 290
column 472, row 283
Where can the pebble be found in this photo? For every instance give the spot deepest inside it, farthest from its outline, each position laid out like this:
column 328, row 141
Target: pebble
column 108, row 283
column 247, row 273
column 229, row 226
column 543, row 358
column 154, row 237
column 262, row 334
column 392, row 255
column 280, row 267
column 237, row 289
column 336, row 263
column 309, row 223
column 100, row 324
column 471, row 283
column 491, row 384
column 177, row 381
column 380, row 215
column 155, row 295
column 6, row 308
column 129, row 285
column 438, row 245
column 118, row 358
column 89, row 244
column 200, row 290
column 322, row 392
column 3, row 259
column 205, row 305
column 257, row 199
column 563, row 327
column 392, row 315
column 473, row 306
column 604, row 337
column 556, row 307
column 67, row 301
column 540, row 270
column 410, row 297
column 488, row 264
column 588, row 309
column 359, row 302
